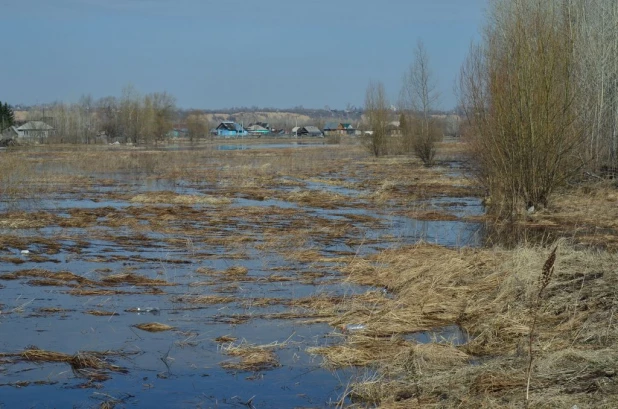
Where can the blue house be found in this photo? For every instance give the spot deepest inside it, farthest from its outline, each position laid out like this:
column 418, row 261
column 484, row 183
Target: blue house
column 229, row 129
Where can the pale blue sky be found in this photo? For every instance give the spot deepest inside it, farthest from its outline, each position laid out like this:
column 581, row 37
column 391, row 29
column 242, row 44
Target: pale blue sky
column 215, row 54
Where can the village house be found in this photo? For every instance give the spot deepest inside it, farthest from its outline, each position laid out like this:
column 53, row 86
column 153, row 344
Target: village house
column 180, row 131
column 338, row 128
column 33, row 130
column 258, row 129
column 394, row 128
column 10, row 133
column 229, row 129
column 309, row 131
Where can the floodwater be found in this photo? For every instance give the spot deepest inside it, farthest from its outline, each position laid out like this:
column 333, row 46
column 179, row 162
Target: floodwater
column 237, row 145
column 187, row 366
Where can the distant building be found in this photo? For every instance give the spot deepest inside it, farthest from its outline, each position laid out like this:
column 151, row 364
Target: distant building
column 9, row 133
column 394, row 128
column 309, row 131
column 230, row 129
column 338, row 128
column 178, row 132
column 34, row 130
column 258, row 129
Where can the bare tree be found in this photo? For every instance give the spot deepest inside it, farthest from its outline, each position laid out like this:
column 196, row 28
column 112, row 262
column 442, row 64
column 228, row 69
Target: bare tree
column 518, row 92
column 108, row 110
column 418, row 98
column 164, row 107
column 377, row 112
column 88, row 118
column 197, row 126
column 596, row 45
column 130, row 114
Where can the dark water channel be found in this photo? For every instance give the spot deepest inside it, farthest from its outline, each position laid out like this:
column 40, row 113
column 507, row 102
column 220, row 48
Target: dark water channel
column 182, row 367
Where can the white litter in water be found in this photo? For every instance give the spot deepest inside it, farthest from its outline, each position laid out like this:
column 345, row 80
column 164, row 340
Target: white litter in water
column 25, row 252
column 353, row 327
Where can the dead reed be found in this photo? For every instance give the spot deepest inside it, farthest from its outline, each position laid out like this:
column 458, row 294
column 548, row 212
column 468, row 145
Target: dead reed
column 134, row 279
column 205, row 299
column 53, row 278
column 100, row 313
column 251, row 357
column 489, row 293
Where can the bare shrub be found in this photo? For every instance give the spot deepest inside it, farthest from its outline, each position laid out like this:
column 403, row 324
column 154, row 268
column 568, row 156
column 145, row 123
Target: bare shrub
column 518, row 93
column 419, row 97
column 376, row 109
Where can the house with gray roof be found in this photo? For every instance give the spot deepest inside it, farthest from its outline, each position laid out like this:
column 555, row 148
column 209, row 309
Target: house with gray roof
column 309, row 131
column 34, row 130
column 258, row 129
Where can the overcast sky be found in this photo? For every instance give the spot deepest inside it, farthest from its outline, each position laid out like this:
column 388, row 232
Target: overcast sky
column 216, row 54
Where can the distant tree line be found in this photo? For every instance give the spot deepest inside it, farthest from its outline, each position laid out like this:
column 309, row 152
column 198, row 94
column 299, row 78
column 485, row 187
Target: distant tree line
column 131, row 118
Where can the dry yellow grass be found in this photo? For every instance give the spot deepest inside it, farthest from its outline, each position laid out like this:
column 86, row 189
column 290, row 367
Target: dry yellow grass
column 206, row 299
column 590, row 205
column 175, row 198
column 92, row 365
column 489, row 293
column 251, row 357
column 54, row 278
column 134, row 279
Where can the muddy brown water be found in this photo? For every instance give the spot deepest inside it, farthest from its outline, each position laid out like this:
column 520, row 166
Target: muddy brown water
column 182, row 367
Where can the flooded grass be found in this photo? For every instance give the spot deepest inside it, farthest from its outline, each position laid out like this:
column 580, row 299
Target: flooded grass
column 174, row 198
column 346, row 278
column 100, row 313
column 251, row 358
column 91, row 365
column 154, row 327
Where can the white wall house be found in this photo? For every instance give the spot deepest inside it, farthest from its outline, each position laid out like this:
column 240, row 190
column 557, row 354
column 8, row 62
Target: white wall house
column 34, row 130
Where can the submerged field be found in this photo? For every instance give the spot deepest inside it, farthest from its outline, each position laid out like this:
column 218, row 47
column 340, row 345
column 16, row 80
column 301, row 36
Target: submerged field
column 300, row 276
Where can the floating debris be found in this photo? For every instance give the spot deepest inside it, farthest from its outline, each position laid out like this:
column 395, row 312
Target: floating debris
column 145, row 310
column 352, row 327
